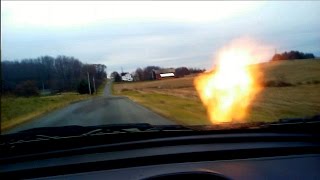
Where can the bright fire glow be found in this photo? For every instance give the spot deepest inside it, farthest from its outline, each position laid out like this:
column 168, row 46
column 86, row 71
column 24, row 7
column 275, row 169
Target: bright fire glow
column 228, row 90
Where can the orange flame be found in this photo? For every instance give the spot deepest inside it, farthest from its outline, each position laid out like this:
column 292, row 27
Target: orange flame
column 228, row 90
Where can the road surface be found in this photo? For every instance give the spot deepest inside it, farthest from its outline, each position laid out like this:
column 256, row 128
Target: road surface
column 106, row 109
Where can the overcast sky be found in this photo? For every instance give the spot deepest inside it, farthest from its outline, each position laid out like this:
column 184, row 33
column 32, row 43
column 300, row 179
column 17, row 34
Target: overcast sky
column 168, row 34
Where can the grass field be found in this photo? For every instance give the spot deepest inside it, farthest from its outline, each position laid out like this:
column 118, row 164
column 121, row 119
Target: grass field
column 17, row 110
column 177, row 99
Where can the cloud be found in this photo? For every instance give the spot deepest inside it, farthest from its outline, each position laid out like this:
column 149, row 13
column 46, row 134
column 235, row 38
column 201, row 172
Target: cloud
column 153, row 33
column 61, row 14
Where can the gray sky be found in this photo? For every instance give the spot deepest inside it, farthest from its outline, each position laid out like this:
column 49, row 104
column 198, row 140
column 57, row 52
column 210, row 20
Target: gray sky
column 163, row 33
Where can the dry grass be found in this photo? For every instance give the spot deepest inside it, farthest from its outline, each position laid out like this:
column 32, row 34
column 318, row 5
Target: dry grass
column 181, row 110
column 174, row 83
column 295, row 72
column 296, row 101
column 301, row 99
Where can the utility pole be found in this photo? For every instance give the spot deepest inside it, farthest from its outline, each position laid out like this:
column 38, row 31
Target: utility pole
column 89, row 83
column 94, row 85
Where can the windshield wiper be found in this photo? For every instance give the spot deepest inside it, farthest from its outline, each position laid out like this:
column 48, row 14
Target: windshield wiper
column 304, row 124
column 307, row 124
column 49, row 133
column 312, row 119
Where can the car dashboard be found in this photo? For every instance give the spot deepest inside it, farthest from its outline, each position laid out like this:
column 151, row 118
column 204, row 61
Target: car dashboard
column 205, row 156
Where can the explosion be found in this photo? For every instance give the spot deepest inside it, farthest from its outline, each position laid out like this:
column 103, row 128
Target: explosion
column 228, row 90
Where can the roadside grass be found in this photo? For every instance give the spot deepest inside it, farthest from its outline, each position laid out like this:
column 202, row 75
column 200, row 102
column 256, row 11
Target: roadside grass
column 272, row 104
column 17, row 110
column 100, row 90
column 183, row 111
column 177, row 99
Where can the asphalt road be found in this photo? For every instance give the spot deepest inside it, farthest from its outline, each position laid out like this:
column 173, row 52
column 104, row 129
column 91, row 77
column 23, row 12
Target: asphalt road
column 106, row 109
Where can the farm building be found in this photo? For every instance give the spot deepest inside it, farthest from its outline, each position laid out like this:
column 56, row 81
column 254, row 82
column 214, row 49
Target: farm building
column 163, row 73
column 126, row 77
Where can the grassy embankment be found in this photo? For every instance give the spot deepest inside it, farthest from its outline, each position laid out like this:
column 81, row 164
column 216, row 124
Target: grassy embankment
column 177, row 99
column 17, row 110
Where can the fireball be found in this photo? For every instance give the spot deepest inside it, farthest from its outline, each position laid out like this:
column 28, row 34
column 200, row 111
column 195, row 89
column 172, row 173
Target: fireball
column 228, row 90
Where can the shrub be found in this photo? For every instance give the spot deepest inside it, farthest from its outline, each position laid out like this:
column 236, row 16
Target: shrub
column 316, row 82
column 27, row 88
column 125, row 89
column 83, row 87
column 273, row 83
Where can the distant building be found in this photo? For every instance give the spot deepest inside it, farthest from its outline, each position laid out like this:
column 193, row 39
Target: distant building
column 136, row 77
column 126, row 77
column 163, row 73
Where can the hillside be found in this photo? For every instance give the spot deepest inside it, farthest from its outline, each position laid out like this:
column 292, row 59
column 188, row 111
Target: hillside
column 294, row 71
column 178, row 100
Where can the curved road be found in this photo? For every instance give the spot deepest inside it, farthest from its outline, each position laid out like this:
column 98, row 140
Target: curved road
column 106, row 109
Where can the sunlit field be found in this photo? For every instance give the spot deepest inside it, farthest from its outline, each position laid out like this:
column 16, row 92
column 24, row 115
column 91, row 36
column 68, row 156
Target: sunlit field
column 291, row 89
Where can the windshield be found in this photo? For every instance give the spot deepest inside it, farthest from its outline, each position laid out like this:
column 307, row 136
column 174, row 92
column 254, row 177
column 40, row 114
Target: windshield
column 157, row 63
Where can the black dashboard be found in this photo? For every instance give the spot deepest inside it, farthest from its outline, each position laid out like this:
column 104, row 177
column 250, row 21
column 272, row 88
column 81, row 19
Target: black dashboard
column 281, row 167
column 206, row 156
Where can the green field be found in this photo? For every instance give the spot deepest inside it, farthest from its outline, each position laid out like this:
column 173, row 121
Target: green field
column 16, row 110
column 101, row 88
column 177, row 99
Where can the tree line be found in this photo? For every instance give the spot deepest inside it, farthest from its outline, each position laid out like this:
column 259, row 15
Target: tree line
column 291, row 55
column 145, row 74
column 61, row 73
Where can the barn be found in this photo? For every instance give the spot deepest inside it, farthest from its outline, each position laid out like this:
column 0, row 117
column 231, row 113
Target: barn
column 163, row 73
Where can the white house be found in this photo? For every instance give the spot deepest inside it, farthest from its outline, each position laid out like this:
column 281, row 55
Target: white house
column 126, row 77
